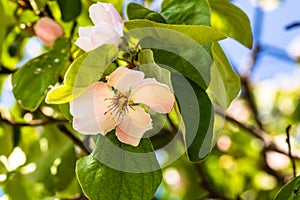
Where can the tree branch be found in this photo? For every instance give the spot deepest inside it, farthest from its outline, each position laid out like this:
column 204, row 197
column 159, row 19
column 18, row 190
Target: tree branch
column 290, row 149
column 269, row 145
column 293, row 25
column 5, row 70
column 75, row 140
column 250, row 98
column 37, row 122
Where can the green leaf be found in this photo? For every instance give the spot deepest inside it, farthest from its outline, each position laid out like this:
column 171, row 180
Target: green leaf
column 18, row 187
column 63, row 94
column 85, row 70
column 190, row 12
column 192, row 61
column 208, row 34
column 117, row 181
column 231, row 20
column 152, row 70
column 55, row 163
column 70, row 9
column 290, row 191
column 137, row 11
column 3, row 26
column 65, row 110
column 6, row 139
column 197, row 114
column 3, row 169
column 225, row 83
column 31, row 82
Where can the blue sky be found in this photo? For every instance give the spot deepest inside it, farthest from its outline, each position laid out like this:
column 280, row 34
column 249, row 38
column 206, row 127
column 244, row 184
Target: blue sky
column 269, row 30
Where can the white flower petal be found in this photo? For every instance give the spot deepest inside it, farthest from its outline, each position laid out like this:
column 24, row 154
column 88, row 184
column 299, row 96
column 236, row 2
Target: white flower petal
column 84, row 43
column 124, row 79
column 88, row 110
column 158, row 97
column 104, row 33
column 108, row 27
column 136, row 122
column 106, row 12
column 85, row 31
column 98, row 13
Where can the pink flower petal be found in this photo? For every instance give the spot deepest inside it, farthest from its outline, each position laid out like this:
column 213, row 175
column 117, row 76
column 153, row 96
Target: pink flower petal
column 136, row 122
column 127, row 139
column 88, row 110
column 157, row 96
column 124, row 79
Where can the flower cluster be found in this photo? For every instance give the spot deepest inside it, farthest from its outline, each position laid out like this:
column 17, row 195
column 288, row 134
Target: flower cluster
column 108, row 27
column 120, row 102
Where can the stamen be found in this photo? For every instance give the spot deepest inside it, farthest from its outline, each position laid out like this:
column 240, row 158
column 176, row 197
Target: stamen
column 118, row 105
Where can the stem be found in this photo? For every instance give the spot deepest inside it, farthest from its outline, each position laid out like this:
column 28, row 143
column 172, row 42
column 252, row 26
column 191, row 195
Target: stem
column 72, row 32
column 75, row 140
column 127, row 61
column 173, row 126
column 287, row 130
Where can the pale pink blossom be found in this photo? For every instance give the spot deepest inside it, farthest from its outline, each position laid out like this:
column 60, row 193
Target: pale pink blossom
column 48, row 30
column 116, row 104
column 108, row 27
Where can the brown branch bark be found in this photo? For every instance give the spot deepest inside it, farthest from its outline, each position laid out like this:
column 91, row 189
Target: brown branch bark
column 290, row 149
column 75, row 140
column 37, row 122
column 269, row 144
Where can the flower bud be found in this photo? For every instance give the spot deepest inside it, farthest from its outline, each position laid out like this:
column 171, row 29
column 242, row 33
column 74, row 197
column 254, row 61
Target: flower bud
column 48, row 30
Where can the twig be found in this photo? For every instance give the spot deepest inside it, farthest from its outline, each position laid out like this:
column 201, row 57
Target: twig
column 128, row 62
column 33, row 122
column 256, row 132
column 251, row 101
column 269, row 145
column 292, row 25
column 72, row 32
column 80, row 197
column 75, row 140
column 287, row 130
column 5, row 70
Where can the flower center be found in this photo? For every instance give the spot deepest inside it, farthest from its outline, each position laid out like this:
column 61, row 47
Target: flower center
column 118, row 106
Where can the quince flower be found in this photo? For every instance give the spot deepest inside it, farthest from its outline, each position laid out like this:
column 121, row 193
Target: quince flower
column 48, row 30
column 115, row 104
column 108, row 27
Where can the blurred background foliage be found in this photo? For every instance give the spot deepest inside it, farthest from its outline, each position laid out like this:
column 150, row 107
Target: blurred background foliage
column 249, row 161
